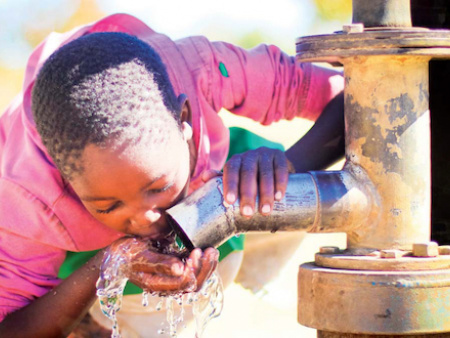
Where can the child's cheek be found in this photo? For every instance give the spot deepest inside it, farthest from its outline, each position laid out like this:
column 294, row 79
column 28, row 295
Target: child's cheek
column 113, row 220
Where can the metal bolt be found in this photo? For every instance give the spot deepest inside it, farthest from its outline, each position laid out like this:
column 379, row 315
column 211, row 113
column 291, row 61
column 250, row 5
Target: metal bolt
column 444, row 250
column 353, row 28
column 329, row 250
column 429, row 249
column 391, row 254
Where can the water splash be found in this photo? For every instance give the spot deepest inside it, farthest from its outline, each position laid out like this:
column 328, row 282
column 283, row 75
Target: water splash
column 209, row 303
column 110, row 288
column 206, row 304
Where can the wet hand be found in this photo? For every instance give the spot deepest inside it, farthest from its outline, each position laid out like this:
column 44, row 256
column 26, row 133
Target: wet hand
column 262, row 171
column 164, row 273
column 203, row 264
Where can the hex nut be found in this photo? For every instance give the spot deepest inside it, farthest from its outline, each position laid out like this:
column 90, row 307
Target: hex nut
column 429, row 249
column 353, row 28
column 444, row 250
column 329, row 250
column 391, row 254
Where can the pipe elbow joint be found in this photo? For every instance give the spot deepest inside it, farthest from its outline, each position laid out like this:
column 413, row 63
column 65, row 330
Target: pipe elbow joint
column 346, row 199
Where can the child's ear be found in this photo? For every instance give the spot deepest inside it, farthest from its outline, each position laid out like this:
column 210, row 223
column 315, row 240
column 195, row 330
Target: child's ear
column 185, row 107
column 186, row 130
column 185, row 116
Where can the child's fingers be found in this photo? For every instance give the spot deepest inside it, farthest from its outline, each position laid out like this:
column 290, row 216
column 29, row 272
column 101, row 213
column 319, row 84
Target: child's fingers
column 266, row 183
column 281, row 174
column 262, row 170
column 166, row 284
column 248, row 183
column 208, row 263
column 196, row 270
column 212, row 256
column 291, row 168
column 153, row 262
column 195, row 257
column 231, row 179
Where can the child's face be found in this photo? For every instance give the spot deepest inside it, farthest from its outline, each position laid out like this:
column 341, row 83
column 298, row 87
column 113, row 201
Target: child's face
column 128, row 189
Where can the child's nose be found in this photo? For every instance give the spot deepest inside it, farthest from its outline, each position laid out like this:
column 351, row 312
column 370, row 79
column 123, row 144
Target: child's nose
column 145, row 217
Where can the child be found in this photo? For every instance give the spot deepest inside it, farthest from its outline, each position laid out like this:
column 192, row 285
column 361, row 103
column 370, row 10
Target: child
column 111, row 133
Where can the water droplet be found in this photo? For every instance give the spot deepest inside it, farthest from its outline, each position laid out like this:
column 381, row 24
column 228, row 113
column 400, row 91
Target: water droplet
column 145, row 299
column 159, row 305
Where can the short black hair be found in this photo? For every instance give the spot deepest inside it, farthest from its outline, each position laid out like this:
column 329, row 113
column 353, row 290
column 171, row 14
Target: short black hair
column 98, row 88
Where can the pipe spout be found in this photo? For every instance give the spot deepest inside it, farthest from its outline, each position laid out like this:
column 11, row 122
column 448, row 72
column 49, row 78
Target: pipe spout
column 313, row 201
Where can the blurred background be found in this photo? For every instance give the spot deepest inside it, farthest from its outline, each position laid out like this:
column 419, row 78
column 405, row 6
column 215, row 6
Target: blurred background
column 263, row 301
column 25, row 23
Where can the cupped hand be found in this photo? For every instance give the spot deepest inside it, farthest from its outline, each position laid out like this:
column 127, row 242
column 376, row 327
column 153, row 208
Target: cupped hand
column 262, row 171
column 168, row 274
column 165, row 273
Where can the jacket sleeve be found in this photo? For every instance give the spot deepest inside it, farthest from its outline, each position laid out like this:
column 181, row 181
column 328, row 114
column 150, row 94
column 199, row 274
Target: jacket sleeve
column 265, row 84
column 30, row 255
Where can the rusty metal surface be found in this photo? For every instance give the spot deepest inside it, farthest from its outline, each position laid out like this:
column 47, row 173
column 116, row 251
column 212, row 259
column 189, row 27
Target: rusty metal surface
column 382, row 13
column 391, row 280
column 374, row 302
column 335, row 47
column 388, row 135
column 405, row 262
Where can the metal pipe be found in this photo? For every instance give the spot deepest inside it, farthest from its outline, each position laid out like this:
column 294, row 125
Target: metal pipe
column 390, row 280
column 316, row 201
column 346, row 200
column 382, row 13
column 374, row 302
column 204, row 219
column 388, row 135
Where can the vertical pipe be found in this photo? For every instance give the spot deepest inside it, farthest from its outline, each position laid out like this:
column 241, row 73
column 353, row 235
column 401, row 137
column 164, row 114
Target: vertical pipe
column 382, row 13
column 388, row 135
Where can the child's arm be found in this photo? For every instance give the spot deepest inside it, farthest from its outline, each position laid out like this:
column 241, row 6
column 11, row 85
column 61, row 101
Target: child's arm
column 264, row 83
column 324, row 143
column 58, row 312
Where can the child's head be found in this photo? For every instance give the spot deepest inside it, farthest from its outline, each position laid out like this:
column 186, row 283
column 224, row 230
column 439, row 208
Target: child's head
column 108, row 116
column 100, row 87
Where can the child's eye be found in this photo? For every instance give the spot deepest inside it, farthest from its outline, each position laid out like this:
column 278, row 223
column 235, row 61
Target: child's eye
column 107, row 211
column 157, row 191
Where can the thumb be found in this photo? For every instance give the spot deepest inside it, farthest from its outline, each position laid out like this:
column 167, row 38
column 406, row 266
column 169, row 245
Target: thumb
column 210, row 173
column 291, row 168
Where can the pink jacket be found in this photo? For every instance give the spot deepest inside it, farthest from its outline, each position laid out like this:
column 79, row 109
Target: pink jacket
column 40, row 216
